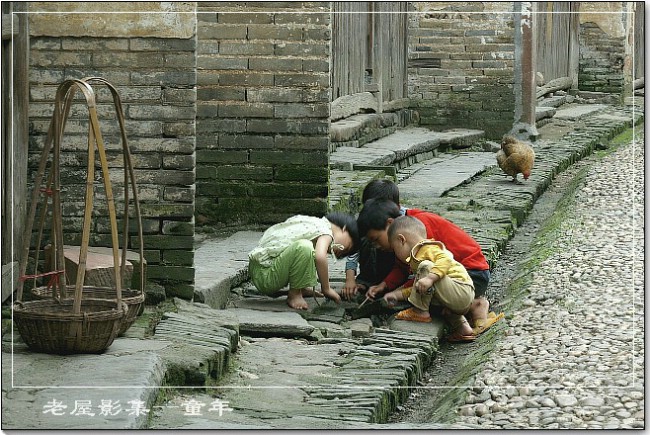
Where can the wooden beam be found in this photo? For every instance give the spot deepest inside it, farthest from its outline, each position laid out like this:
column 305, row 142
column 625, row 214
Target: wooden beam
column 560, row 83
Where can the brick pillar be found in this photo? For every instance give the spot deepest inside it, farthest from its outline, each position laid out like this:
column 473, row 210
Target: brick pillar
column 263, row 111
column 148, row 51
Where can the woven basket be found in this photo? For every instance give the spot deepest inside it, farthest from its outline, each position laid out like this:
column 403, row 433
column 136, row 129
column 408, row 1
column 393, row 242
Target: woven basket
column 134, row 300
column 51, row 326
column 89, row 320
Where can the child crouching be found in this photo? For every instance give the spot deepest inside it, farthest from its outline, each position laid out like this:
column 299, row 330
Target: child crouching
column 295, row 252
column 439, row 280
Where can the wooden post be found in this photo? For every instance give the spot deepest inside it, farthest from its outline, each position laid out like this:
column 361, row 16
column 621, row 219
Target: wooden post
column 525, row 56
column 15, row 132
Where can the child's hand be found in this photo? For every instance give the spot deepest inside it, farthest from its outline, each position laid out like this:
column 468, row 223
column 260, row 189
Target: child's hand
column 391, row 299
column 349, row 289
column 423, row 285
column 374, row 291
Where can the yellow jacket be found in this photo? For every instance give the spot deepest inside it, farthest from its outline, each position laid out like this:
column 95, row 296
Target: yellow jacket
column 443, row 261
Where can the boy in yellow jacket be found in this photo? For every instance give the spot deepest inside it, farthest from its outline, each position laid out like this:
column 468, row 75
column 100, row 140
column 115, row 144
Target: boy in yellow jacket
column 439, row 279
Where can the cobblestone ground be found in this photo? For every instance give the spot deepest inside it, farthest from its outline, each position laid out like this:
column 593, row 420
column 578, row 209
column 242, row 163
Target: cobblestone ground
column 573, row 355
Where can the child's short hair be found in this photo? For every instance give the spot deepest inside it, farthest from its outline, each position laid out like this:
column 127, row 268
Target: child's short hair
column 375, row 213
column 347, row 221
column 407, row 224
column 381, row 189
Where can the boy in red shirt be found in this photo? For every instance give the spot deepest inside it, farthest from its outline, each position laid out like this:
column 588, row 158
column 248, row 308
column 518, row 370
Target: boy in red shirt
column 376, row 217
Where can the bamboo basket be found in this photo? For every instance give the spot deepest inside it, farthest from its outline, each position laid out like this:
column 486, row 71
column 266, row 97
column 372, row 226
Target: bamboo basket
column 134, row 300
column 90, row 319
column 52, row 326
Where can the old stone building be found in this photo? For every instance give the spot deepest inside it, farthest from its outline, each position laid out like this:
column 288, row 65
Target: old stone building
column 229, row 105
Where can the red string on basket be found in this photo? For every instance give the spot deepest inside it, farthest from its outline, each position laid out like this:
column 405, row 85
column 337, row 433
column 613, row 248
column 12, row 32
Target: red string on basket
column 54, row 277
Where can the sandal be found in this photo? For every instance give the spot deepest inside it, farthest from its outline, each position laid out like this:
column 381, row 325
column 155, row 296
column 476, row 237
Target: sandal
column 412, row 316
column 482, row 325
column 459, row 338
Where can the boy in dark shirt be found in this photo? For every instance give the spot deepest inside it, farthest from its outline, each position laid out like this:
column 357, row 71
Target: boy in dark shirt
column 373, row 264
column 376, row 217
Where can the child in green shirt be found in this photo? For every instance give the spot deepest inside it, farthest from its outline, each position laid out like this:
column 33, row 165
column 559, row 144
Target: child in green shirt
column 295, row 252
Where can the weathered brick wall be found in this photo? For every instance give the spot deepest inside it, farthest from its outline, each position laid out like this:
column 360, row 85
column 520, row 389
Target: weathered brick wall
column 604, row 27
column 602, row 57
column 263, row 111
column 148, row 51
column 461, row 58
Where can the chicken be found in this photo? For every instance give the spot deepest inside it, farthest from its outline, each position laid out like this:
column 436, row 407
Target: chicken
column 515, row 157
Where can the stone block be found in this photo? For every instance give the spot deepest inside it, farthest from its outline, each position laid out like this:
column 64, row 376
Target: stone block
column 304, row 80
column 322, row 19
column 171, row 20
column 270, row 126
column 178, row 227
column 179, row 257
column 275, row 95
column 159, row 241
column 274, row 32
column 178, row 194
column 219, row 156
column 246, row 110
column 302, row 111
column 253, row 173
column 275, row 64
column 221, row 94
column 170, row 211
column 246, row 141
column 221, row 31
column 246, row 79
column 278, row 157
column 170, row 273
column 248, row 49
column 221, row 125
column 161, row 44
column 245, row 18
column 302, row 49
column 278, row 324
column 99, row 267
column 301, row 142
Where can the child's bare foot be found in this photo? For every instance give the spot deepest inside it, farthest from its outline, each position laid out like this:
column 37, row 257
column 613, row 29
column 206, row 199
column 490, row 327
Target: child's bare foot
column 478, row 310
column 414, row 314
column 464, row 329
column 462, row 334
column 296, row 301
column 332, row 294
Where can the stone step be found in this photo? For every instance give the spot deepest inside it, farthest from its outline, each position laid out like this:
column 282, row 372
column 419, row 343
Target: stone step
column 357, row 130
column 403, row 148
column 436, row 176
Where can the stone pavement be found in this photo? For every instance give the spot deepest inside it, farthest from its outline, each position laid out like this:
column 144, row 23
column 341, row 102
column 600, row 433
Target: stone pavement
column 317, row 369
column 573, row 354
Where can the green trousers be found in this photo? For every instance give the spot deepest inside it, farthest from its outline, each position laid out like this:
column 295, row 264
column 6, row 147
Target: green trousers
column 295, row 267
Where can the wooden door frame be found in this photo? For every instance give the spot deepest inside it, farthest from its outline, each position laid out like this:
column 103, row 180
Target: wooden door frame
column 15, row 136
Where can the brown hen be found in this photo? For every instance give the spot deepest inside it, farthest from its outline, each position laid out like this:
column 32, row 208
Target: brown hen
column 515, row 157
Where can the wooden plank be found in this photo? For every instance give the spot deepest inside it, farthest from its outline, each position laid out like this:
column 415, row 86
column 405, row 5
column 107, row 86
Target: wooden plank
column 10, row 272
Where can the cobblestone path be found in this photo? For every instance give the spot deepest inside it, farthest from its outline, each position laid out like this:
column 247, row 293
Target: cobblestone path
column 573, row 354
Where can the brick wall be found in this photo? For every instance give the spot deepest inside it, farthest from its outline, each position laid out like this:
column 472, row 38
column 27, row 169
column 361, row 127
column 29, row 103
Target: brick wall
column 146, row 50
column 602, row 57
column 461, row 58
column 263, row 111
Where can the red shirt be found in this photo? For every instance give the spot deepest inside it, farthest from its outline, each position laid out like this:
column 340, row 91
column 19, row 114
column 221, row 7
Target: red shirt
column 465, row 249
